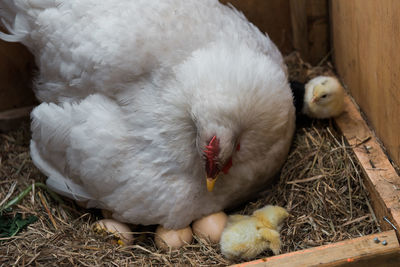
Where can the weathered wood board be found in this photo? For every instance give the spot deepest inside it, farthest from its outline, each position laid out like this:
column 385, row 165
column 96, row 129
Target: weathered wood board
column 382, row 181
column 271, row 16
column 310, row 29
column 291, row 24
column 366, row 38
column 16, row 71
column 352, row 252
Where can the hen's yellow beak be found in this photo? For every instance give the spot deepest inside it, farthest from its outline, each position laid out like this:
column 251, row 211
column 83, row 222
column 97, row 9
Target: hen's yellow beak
column 211, row 183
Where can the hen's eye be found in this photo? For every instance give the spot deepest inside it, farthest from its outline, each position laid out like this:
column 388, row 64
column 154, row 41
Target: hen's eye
column 238, row 147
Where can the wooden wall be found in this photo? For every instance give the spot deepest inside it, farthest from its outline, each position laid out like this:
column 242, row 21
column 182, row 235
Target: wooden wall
column 310, row 29
column 16, row 69
column 270, row 16
column 366, row 41
column 300, row 25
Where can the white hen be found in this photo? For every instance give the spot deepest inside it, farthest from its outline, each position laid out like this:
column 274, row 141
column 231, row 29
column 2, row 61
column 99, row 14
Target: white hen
column 149, row 98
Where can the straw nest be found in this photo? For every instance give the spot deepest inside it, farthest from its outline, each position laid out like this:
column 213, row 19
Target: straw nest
column 320, row 185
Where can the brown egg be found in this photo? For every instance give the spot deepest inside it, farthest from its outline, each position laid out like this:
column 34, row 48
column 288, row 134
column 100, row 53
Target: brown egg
column 121, row 231
column 211, row 226
column 173, row 239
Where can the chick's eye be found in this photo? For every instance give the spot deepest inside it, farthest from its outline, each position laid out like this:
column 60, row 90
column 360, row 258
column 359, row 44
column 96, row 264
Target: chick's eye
column 324, row 96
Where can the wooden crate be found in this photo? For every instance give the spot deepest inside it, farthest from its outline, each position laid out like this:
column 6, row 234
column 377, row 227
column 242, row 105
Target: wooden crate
column 364, row 35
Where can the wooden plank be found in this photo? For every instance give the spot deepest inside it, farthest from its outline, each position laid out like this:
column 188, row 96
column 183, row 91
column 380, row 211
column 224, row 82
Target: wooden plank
column 16, row 71
column 272, row 17
column 318, row 30
column 384, row 260
column 11, row 119
column 366, row 37
column 382, row 181
column 346, row 253
column 310, row 28
column 298, row 14
column 291, row 24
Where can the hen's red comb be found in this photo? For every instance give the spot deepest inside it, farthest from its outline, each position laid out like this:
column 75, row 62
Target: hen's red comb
column 211, row 152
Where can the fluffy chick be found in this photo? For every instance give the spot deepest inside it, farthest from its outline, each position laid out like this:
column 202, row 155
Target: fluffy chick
column 323, row 98
column 247, row 236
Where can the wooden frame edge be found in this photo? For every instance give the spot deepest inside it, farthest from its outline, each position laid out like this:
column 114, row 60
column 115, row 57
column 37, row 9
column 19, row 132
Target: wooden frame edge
column 344, row 253
column 381, row 178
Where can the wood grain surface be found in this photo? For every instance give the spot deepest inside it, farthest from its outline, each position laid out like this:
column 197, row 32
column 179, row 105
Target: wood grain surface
column 366, row 41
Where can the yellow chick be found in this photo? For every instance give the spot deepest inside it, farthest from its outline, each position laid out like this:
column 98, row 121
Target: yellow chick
column 247, row 236
column 323, row 98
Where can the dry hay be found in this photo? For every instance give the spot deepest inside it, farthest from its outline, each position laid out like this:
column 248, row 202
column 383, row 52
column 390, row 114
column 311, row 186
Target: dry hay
column 320, row 185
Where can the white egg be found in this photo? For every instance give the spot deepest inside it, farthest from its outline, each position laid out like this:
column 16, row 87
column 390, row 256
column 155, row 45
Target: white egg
column 211, row 226
column 173, row 239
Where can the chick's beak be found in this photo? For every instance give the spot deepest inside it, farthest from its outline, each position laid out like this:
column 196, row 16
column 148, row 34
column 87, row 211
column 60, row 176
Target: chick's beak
column 316, row 91
column 211, row 183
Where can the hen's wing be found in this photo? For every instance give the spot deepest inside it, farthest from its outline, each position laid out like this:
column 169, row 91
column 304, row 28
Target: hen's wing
column 74, row 143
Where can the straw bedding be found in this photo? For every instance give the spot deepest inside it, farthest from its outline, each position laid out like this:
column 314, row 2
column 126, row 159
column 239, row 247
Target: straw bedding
column 320, row 185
